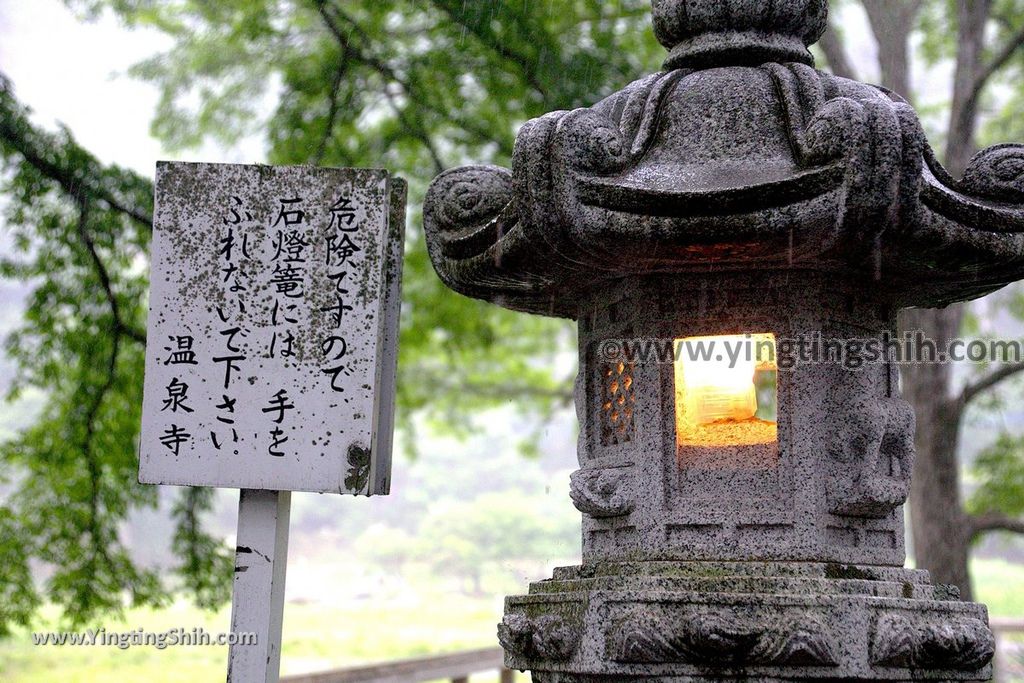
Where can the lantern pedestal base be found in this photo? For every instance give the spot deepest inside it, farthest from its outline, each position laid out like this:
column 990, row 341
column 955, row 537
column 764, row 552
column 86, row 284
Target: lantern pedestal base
column 703, row 621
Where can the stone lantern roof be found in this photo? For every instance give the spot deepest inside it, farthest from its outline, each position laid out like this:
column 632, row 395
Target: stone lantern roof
column 740, row 156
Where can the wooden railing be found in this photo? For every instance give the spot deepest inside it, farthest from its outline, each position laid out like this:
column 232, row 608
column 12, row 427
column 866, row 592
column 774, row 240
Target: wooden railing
column 457, row 667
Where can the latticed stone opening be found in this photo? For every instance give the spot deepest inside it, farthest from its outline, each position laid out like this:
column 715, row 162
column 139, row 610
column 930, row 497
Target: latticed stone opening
column 617, row 403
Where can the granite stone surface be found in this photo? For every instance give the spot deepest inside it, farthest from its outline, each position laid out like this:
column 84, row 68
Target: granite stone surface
column 739, row 191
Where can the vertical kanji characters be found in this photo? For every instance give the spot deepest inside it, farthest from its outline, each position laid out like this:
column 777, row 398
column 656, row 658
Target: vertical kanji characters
column 177, row 394
column 278, row 405
column 340, row 248
column 173, row 438
column 288, row 279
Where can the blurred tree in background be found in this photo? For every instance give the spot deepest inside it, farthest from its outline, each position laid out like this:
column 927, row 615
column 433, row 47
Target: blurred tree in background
column 415, row 86
column 80, row 232
column 463, row 537
column 982, row 40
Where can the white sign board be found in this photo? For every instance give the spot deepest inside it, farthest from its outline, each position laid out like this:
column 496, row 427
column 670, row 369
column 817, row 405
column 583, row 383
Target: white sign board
column 273, row 326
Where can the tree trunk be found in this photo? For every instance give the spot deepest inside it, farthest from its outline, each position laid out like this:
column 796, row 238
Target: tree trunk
column 939, row 529
column 939, row 524
column 972, row 15
column 891, row 23
column 476, row 583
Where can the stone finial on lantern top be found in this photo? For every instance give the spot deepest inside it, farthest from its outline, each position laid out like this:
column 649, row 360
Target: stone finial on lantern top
column 730, row 32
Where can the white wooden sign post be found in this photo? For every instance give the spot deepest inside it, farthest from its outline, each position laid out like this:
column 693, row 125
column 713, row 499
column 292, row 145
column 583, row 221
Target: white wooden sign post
column 270, row 366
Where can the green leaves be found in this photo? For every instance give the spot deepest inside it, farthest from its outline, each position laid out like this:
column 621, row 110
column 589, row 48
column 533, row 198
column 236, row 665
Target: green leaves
column 414, row 86
column 999, row 470
column 461, row 537
column 411, row 85
column 80, row 234
column 206, row 564
column 18, row 596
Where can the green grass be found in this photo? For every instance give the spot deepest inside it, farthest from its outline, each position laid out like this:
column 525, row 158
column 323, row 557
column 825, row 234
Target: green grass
column 316, row 637
column 340, row 633
column 1000, row 585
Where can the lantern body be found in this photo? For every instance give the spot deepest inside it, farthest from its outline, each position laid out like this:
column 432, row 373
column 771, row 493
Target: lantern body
column 739, row 192
column 828, row 488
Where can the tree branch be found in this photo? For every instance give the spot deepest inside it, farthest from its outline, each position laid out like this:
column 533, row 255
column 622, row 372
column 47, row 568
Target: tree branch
column 419, row 130
column 500, row 391
column 331, row 16
column 120, row 327
column 993, row 521
column 16, row 131
column 348, row 51
column 332, row 113
column 97, row 542
column 69, row 182
column 983, row 384
column 891, row 23
column 479, row 30
column 987, row 71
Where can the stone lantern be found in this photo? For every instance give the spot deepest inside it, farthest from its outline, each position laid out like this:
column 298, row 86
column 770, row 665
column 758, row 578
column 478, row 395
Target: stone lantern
column 737, row 523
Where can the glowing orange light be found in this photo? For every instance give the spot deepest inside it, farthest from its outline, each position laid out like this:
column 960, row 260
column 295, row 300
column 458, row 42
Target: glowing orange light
column 716, row 394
